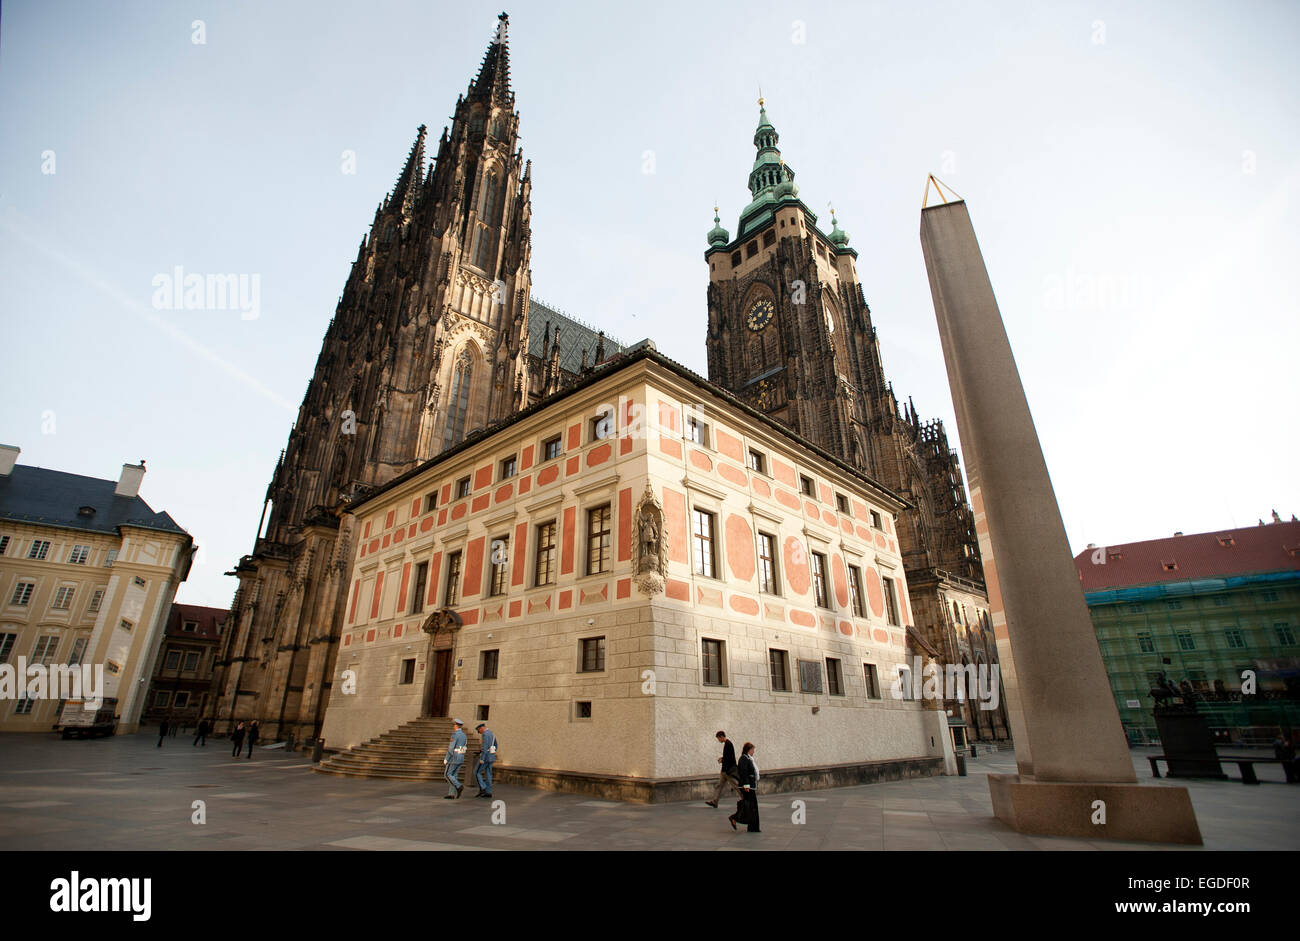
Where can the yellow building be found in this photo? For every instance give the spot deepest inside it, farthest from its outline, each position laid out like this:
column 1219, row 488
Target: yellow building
column 614, row 574
column 88, row 573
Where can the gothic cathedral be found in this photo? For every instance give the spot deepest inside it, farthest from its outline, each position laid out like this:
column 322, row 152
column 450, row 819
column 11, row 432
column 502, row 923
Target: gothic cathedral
column 790, row 334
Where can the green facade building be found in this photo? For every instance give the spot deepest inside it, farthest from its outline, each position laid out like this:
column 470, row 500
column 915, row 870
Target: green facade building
column 1217, row 611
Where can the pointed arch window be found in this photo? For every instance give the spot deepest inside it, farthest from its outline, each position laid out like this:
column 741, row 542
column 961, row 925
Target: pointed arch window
column 489, row 209
column 458, row 404
column 484, row 248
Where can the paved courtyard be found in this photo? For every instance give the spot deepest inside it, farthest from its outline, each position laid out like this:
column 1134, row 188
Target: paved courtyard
column 124, row 793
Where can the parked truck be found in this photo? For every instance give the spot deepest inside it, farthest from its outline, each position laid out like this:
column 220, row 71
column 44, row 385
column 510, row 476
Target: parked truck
column 76, row 719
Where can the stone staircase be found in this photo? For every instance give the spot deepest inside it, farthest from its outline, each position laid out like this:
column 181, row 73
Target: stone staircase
column 410, row 752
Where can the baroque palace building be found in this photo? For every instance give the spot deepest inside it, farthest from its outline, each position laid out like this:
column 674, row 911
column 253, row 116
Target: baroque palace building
column 436, row 339
column 88, row 573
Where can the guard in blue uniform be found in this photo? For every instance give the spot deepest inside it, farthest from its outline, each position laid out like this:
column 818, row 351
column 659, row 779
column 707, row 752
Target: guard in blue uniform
column 487, row 754
column 454, row 759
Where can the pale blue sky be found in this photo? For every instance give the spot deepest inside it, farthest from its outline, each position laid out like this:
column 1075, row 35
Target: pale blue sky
column 1131, row 170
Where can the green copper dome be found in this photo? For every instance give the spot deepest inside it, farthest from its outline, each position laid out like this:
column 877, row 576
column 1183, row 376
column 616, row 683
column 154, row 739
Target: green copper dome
column 837, row 236
column 718, row 235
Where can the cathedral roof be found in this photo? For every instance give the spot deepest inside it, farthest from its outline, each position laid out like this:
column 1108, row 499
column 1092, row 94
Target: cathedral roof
column 575, row 337
column 46, row 497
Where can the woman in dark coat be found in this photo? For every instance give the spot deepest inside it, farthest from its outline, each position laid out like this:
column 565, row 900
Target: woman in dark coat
column 237, row 737
column 747, row 806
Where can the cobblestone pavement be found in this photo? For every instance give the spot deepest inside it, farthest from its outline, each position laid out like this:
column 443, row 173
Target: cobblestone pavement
column 123, row 793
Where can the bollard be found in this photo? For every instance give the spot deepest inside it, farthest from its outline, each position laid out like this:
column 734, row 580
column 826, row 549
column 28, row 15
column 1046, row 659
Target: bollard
column 318, row 751
column 961, row 766
column 972, row 750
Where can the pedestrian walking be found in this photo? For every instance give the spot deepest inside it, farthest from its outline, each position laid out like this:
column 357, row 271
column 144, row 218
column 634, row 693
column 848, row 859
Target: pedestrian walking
column 454, row 759
column 162, row 731
column 237, row 737
column 747, row 806
column 487, row 754
column 252, row 737
column 727, row 776
column 201, row 733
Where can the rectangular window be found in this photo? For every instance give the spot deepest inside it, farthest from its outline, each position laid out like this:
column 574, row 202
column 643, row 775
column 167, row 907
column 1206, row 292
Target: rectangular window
column 818, row 564
column 430, row 502
column 39, row 550
column 551, row 448
column 462, row 488
column 855, row 592
column 1221, row 602
column 190, row 627
column 602, row 426
column 873, row 680
column 769, row 238
column 191, row 661
column 702, row 535
column 841, row 503
column 421, row 582
column 161, row 699
column 834, row 677
column 891, row 600
column 110, row 557
column 697, row 431
column 1234, row 637
column 905, row 684
column 173, row 660
column 182, row 699
column 488, row 662
column 508, row 467
column 1174, row 605
column 767, row 563
column 1269, row 596
column 63, row 598
column 79, row 555
column 1185, row 641
column 499, row 573
column 96, row 600
column 4, row 544
column 544, row 569
column 139, row 582
column 751, row 249
column 125, row 625
column 78, row 651
column 22, row 593
column 582, row 709
column 805, row 485
column 408, row 672
column 593, row 654
column 6, row 645
column 451, row 597
column 757, row 461
column 1145, row 642
column 875, row 520
column 778, row 665
column 45, row 647
column 810, row 676
column 598, row 540
column 712, row 651
column 1285, row 636
column 481, row 713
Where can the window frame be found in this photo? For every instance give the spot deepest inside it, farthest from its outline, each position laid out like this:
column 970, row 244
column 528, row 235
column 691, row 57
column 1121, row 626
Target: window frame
column 857, row 603
column 701, row 542
column 769, row 576
column 558, row 441
column 599, row 642
column 834, row 677
column 498, row 574
column 543, row 551
column 756, row 460
column 807, row 486
column 719, row 658
column 512, row 463
column 773, row 655
column 451, row 592
column 600, row 541
column 892, row 614
column 488, row 658
column 817, row 566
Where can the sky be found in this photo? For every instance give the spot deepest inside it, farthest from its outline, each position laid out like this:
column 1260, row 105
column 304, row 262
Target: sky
column 1131, row 171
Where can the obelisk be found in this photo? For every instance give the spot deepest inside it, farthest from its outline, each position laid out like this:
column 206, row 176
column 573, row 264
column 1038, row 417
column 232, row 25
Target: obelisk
column 1071, row 752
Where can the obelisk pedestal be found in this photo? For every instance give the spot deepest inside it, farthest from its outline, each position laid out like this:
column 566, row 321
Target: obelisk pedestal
column 1071, row 752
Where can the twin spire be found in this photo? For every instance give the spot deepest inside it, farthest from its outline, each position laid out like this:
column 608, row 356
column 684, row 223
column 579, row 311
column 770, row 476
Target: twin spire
column 493, row 82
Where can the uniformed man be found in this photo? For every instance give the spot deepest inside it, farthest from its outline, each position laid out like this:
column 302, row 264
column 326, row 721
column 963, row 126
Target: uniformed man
column 487, row 754
column 455, row 758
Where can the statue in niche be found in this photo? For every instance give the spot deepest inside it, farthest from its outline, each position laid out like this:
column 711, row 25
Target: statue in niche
column 650, row 548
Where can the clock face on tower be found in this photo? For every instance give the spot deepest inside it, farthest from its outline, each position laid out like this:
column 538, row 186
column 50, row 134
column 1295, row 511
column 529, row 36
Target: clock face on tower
column 760, row 315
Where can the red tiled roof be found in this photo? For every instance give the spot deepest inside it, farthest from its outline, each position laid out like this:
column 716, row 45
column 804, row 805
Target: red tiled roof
column 209, row 621
column 1274, row 547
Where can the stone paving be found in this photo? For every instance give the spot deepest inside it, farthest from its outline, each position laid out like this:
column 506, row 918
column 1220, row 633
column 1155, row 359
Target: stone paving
column 123, row 793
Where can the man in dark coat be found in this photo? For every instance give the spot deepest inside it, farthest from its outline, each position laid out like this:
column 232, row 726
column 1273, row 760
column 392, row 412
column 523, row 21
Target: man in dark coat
column 252, row 737
column 237, row 736
column 201, row 733
column 727, row 776
column 162, row 731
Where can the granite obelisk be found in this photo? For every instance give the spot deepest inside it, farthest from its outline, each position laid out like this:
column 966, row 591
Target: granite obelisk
column 1071, row 752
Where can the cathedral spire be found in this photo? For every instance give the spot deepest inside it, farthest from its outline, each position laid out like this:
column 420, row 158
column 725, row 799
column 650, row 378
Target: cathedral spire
column 412, row 174
column 493, row 80
column 769, row 169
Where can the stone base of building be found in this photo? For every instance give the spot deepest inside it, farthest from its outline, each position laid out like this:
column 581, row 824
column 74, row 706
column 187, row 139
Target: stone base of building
column 1132, row 811
column 666, row 790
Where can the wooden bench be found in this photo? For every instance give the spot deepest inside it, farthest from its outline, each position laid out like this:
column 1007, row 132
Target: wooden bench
column 1245, row 765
